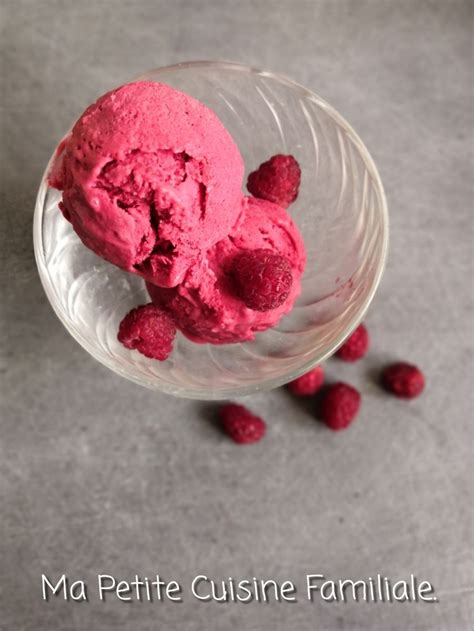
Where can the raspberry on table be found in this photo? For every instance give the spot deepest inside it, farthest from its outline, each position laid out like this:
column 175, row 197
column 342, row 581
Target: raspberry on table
column 277, row 180
column 356, row 345
column 307, row 384
column 340, row 405
column 149, row 330
column 403, row 380
column 262, row 279
column 241, row 424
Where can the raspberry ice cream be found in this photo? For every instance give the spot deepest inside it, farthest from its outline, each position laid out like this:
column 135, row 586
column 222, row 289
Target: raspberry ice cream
column 150, row 178
column 206, row 306
column 152, row 182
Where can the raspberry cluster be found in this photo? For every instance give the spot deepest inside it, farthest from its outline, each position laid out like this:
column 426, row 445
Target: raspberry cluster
column 336, row 404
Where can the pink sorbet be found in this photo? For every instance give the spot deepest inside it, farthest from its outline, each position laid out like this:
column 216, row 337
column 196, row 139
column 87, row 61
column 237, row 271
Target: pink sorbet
column 150, row 178
column 205, row 306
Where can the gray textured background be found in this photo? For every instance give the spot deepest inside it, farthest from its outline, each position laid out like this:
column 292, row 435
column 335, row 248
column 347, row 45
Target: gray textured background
column 99, row 475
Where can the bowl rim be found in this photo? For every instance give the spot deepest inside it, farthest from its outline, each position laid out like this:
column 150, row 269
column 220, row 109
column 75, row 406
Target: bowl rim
column 314, row 359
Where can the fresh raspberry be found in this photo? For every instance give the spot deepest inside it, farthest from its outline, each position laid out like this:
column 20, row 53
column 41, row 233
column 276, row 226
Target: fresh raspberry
column 403, row 380
column 262, row 279
column 277, row 180
column 241, row 425
column 355, row 346
column 339, row 406
column 149, row 330
column 307, row 384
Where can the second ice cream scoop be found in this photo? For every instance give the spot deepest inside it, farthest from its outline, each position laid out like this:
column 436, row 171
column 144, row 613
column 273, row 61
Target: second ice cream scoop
column 207, row 307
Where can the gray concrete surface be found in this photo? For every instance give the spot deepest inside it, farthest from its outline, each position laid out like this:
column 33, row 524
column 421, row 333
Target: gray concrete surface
column 100, row 476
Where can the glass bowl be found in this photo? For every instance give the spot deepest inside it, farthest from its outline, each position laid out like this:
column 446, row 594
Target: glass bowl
column 341, row 212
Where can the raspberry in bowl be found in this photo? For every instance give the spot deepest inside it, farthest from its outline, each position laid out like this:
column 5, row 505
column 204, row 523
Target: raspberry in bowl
column 337, row 207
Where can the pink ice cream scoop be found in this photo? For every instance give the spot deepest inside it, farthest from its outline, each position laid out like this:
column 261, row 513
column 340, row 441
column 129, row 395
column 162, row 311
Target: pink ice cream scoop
column 206, row 307
column 150, row 178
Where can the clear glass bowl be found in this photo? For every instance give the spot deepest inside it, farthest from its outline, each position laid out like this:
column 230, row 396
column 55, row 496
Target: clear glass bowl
column 341, row 211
